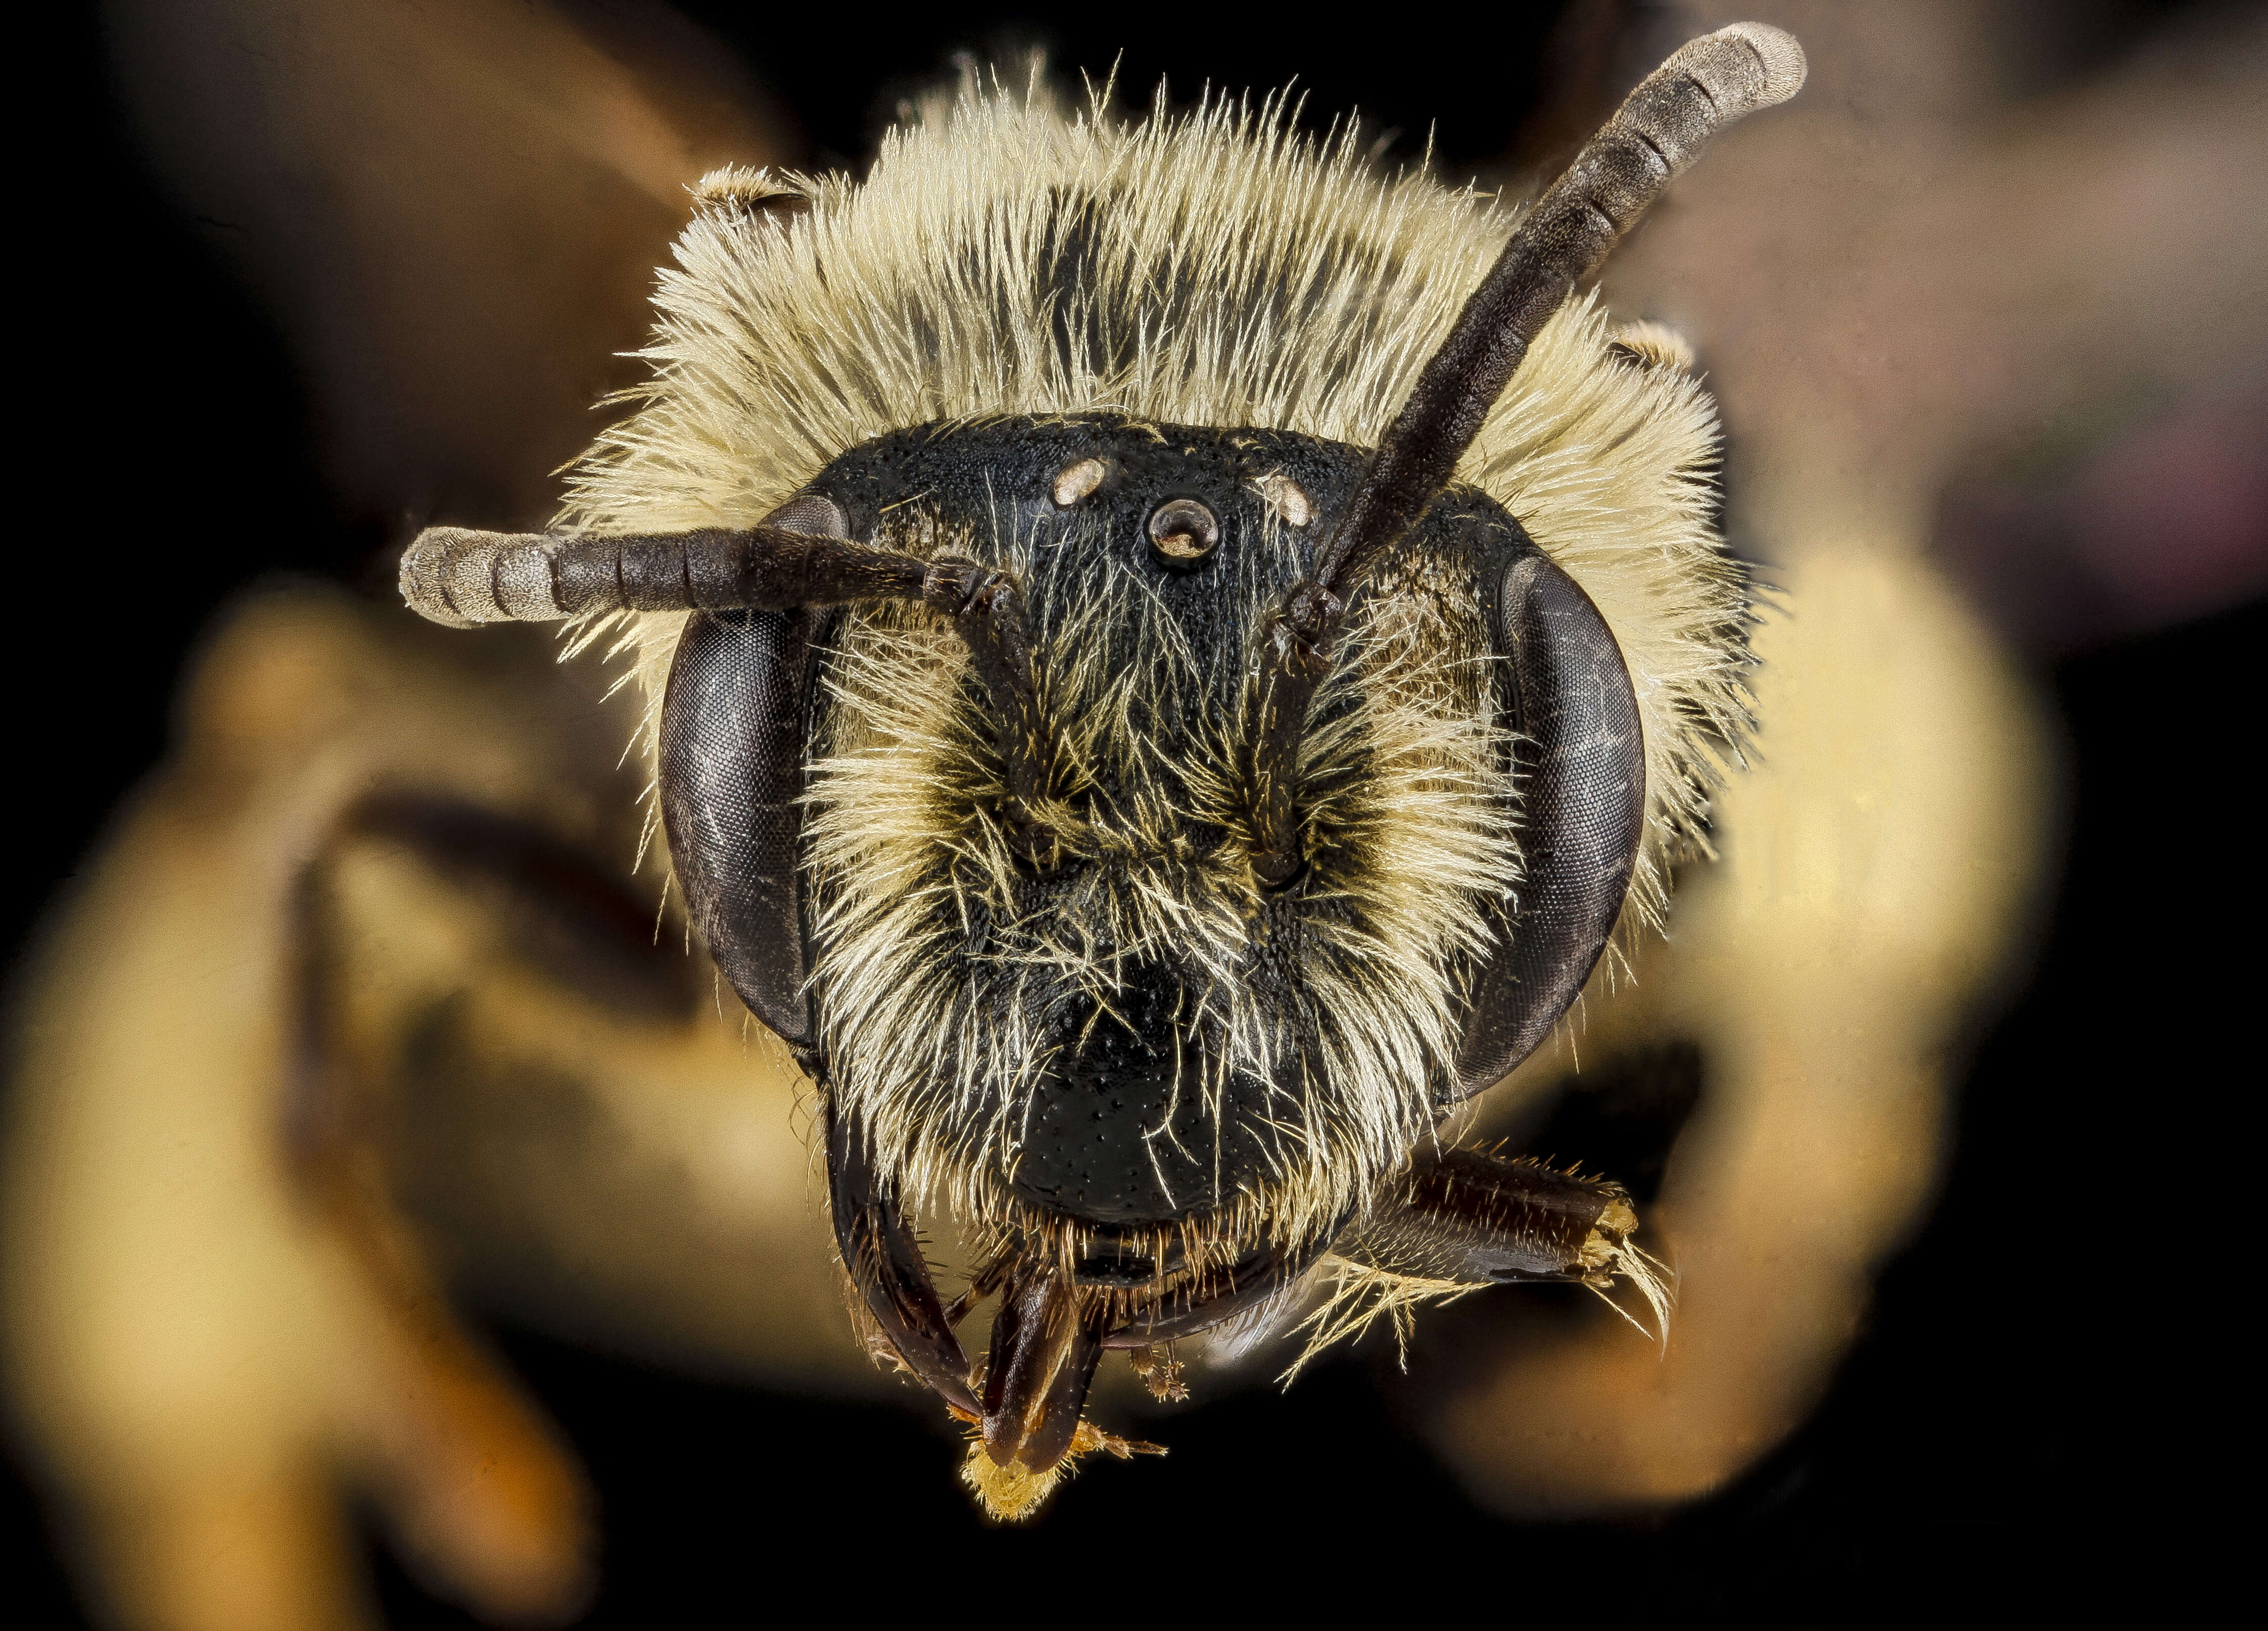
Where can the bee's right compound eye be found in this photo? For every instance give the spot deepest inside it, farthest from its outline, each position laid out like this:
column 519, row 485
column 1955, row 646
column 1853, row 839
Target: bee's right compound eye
column 1579, row 745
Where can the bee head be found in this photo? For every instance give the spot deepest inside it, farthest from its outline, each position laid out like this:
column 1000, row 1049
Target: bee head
column 1144, row 828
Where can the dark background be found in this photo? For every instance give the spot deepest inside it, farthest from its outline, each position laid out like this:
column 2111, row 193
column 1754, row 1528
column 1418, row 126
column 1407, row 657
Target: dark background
column 2018, row 1418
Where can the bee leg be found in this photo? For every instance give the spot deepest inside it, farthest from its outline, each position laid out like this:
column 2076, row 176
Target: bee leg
column 1160, row 1372
column 473, row 1479
column 1473, row 1218
column 884, row 1262
column 1042, row 1364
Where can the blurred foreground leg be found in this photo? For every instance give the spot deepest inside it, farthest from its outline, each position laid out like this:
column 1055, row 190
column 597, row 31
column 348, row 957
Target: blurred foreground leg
column 1873, row 864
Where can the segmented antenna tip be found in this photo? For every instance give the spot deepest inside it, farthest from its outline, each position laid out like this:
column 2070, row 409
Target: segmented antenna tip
column 1783, row 59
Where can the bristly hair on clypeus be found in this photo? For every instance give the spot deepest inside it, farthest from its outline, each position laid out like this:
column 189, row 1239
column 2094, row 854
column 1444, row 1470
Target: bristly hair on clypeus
column 1407, row 791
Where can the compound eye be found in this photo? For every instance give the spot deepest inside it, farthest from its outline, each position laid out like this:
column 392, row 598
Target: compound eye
column 1182, row 532
column 814, row 513
column 1075, row 481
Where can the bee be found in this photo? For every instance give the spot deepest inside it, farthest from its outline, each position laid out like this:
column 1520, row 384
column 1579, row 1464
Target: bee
column 1173, row 656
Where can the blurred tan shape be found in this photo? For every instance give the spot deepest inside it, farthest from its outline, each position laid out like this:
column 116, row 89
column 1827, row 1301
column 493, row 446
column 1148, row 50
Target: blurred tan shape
column 1910, row 274
column 455, row 209
column 1895, row 277
column 193, row 1349
column 1874, row 866
column 209, row 1346
column 1903, row 278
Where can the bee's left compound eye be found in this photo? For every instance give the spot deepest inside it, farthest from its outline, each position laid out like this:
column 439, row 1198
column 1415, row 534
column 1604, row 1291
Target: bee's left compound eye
column 1183, row 531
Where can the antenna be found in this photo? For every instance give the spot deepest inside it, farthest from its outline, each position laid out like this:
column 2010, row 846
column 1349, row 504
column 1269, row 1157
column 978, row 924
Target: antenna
column 1707, row 84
